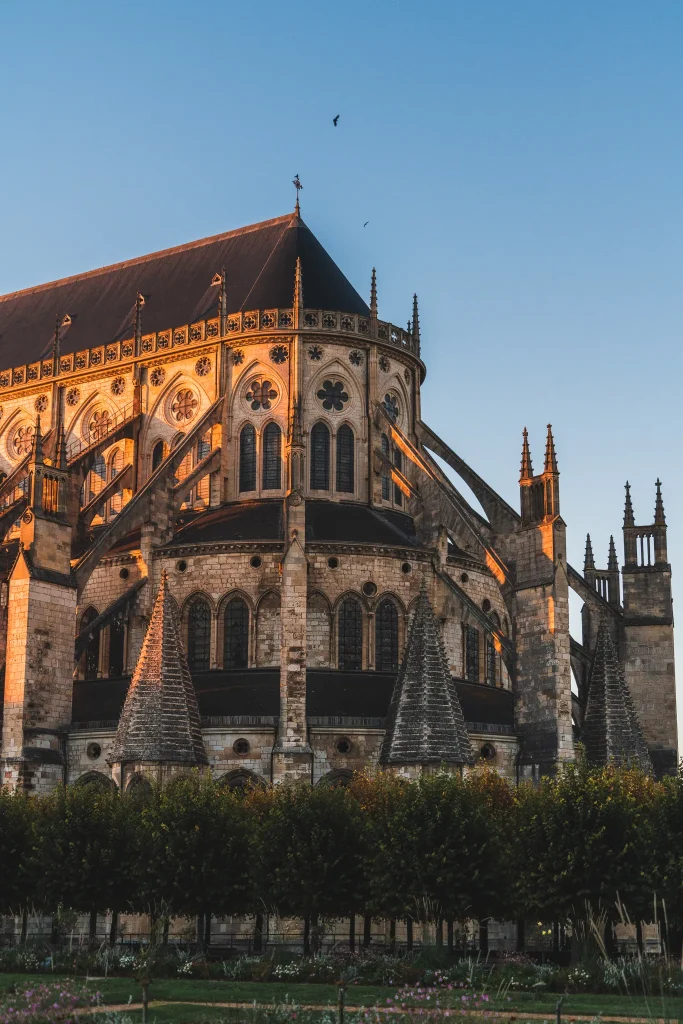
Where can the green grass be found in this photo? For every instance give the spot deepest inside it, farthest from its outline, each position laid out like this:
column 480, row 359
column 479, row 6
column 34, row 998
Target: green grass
column 119, row 990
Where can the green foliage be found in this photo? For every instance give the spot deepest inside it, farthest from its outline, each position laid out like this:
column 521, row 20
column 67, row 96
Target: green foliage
column 18, row 874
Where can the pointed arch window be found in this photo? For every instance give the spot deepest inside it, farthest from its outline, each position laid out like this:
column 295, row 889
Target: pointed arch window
column 117, row 644
column 272, row 458
column 345, row 459
column 386, row 637
column 386, row 490
column 350, row 635
column 157, row 455
column 248, row 458
column 91, row 656
column 320, row 457
column 236, row 634
column 199, row 635
column 398, row 462
column 472, row 654
column 491, row 662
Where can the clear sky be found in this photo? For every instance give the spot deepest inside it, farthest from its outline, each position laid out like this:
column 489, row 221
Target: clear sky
column 520, row 165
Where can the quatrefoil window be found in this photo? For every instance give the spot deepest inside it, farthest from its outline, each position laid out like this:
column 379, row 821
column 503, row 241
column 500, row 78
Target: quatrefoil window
column 332, row 395
column 261, row 394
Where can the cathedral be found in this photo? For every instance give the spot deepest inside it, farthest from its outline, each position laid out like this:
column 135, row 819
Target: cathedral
column 227, row 545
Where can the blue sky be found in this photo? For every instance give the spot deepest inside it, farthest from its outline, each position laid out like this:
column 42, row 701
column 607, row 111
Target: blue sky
column 520, row 165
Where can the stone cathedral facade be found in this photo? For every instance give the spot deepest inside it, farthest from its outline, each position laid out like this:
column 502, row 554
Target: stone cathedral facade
column 226, row 440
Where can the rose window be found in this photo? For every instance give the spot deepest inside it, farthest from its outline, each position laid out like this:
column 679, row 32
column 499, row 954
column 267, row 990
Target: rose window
column 332, row 395
column 41, row 403
column 100, row 423
column 22, row 442
column 261, row 394
column 355, row 357
column 72, row 396
column 390, row 404
column 157, row 376
column 202, row 366
column 278, row 354
column 184, row 405
column 315, row 353
column 118, row 386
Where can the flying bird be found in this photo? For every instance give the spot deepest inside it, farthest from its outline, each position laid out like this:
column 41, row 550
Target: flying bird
column 366, row 223
column 334, row 120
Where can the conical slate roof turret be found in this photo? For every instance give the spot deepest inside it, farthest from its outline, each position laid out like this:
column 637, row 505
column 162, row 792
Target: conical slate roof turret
column 611, row 731
column 425, row 723
column 160, row 719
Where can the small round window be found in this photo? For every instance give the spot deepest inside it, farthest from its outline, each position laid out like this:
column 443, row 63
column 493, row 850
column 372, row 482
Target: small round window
column 369, row 589
column 343, row 745
column 93, row 750
column 464, row 578
column 181, row 565
column 406, row 568
column 333, row 563
column 255, row 562
column 241, row 747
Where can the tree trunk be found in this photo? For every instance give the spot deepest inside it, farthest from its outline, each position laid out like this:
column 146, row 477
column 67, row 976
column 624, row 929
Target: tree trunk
column 352, row 932
column 258, row 933
column 438, row 936
column 315, row 935
column 307, row 936
column 519, row 945
column 484, row 937
column 200, row 931
column 92, row 929
column 54, row 930
column 639, row 936
column 409, row 934
column 207, row 929
column 164, row 938
column 113, row 927
column 392, row 935
column 449, row 934
column 24, row 927
column 610, row 940
column 367, row 931
column 556, row 937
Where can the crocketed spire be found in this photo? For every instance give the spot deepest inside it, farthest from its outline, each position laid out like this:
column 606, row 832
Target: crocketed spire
column 550, row 457
column 588, row 560
column 612, row 560
column 660, row 519
column 628, row 507
column 373, row 293
column 425, row 723
column 526, row 471
column 416, row 320
column 611, row 731
column 160, row 718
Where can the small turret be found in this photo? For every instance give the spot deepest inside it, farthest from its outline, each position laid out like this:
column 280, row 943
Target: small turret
column 540, row 495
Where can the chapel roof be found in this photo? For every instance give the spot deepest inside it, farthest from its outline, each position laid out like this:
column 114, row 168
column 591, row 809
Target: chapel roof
column 259, row 261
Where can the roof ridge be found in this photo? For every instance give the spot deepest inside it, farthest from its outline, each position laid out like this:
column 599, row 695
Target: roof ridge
column 158, row 254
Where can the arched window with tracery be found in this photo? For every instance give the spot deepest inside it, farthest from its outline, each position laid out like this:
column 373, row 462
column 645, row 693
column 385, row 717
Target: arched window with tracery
column 345, row 459
column 272, row 457
column 491, row 662
column 386, row 637
column 398, row 462
column 199, row 635
column 472, row 654
column 320, row 457
column 386, row 490
column 350, row 632
column 236, row 634
column 117, row 644
column 91, row 655
column 248, row 458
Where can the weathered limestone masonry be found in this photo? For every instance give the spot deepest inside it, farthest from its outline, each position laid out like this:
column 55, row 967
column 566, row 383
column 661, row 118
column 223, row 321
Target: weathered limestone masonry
column 269, row 469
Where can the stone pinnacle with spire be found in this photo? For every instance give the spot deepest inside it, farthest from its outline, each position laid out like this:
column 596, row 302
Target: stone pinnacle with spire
column 660, row 519
column 160, row 721
column 425, row 725
column 588, row 560
column 550, row 457
column 37, row 453
column 526, row 471
column 373, row 294
column 298, row 294
column 612, row 561
column 629, row 519
column 416, row 320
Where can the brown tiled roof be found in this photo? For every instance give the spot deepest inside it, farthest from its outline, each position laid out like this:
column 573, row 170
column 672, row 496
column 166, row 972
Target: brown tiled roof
column 160, row 718
column 259, row 262
column 425, row 724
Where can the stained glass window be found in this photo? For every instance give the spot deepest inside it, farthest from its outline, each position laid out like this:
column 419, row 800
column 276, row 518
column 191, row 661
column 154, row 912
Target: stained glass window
column 92, row 652
column 320, row 458
column 199, row 635
column 386, row 490
column 117, row 636
column 345, row 456
column 247, row 458
column 398, row 462
column 236, row 634
column 350, row 635
column 386, row 637
column 272, row 458
column 472, row 654
column 490, row 662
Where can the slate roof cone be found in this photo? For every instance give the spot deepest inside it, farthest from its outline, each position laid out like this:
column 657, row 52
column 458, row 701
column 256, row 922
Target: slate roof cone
column 425, row 723
column 611, row 731
column 160, row 719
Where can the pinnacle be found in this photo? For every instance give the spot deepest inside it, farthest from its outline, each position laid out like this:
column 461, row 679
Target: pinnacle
column 416, row 320
column 660, row 519
column 550, row 457
column 612, row 561
column 588, row 560
column 373, row 293
column 526, row 471
column 628, row 507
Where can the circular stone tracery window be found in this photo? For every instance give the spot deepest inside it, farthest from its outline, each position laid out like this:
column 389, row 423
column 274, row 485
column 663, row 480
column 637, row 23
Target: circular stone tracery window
column 184, row 405
column 22, row 441
column 157, row 376
column 100, row 423
column 333, row 395
column 72, row 396
column 261, row 394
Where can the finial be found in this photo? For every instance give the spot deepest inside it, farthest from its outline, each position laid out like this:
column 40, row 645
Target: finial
column 37, row 442
column 628, row 507
column 526, row 471
column 55, row 346
column 660, row 519
column 550, row 457
column 588, row 560
column 298, row 186
column 373, row 293
column 416, row 320
column 139, row 303
column 298, row 293
column 612, row 562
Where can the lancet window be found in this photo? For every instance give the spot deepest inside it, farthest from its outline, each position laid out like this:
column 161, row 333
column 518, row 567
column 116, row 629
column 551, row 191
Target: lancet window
column 236, row 634
column 248, row 458
column 350, row 635
column 199, row 635
column 386, row 637
column 320, row 457
column 345, row 460
column 272, row 457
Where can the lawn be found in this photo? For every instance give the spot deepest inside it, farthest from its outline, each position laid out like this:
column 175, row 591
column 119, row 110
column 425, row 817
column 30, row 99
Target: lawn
column 120, row 990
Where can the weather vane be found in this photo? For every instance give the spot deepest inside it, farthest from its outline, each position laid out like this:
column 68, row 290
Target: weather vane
column 298, row 186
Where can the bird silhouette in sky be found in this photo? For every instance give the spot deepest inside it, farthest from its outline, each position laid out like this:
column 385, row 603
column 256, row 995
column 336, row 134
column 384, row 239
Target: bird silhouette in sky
column 334, row 120
column 366, row 223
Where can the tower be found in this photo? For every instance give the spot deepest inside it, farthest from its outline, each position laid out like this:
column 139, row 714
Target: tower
column 543, row 675
column 647, row 647
column 40, row 632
